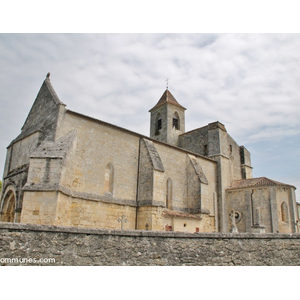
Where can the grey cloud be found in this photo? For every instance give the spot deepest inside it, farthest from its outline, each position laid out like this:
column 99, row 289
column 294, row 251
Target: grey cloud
column 246, row 81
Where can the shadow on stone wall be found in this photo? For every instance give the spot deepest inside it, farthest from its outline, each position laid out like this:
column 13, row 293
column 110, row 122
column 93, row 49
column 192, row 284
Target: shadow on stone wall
column 25, row 244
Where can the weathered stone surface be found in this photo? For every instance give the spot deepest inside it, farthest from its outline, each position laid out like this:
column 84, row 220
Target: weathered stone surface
column 74, row 246
column 154, row 156
column 41, row 124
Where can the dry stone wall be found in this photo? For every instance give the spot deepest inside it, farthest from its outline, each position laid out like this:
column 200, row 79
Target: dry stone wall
column 79, row 246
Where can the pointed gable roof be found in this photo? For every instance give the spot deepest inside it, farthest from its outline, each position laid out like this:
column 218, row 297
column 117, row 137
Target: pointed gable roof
column 167, row 97
column 43, row 111
column 48, row 86
column 44, row 98
column 256, row 182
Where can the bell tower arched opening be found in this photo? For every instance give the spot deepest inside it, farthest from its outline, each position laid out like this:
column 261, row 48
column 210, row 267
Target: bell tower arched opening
column 176, row 121
column 167, row 119
column 158, row 124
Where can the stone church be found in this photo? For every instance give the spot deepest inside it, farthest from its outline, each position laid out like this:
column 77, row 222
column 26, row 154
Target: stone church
column 68, row 169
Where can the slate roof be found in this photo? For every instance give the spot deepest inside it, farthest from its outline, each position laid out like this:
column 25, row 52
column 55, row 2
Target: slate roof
column 167, row 97
column 256, row 182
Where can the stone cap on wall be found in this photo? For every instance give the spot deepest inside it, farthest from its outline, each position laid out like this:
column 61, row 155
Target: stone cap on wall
column 215, row 125
column 175, row 214
column 143, row 233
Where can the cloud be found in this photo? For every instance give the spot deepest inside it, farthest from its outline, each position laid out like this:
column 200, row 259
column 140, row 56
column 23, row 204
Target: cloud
column 249, row 82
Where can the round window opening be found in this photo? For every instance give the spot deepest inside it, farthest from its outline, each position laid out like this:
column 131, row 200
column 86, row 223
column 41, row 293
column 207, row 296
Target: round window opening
column 237, row 216
column 184, row 225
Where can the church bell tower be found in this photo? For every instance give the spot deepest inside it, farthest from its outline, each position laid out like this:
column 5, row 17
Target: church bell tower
column 167, row 119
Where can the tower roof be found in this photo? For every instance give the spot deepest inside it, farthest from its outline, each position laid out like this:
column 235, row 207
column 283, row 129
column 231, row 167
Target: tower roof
column 167, row 97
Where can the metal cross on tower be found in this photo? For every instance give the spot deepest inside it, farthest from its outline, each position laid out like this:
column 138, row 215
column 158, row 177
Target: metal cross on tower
column 167, row 80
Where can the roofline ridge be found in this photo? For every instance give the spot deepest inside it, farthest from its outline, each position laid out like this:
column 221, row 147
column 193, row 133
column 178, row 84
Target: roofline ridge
column 167, row 97
column 138, row 134
column 52, row 91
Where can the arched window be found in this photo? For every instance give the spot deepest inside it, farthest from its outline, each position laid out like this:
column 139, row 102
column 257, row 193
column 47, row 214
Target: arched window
column 284, row 212
column 169, row 192
column 158, row 123
column 176, row 121
column 109, row 178
column 9, row 205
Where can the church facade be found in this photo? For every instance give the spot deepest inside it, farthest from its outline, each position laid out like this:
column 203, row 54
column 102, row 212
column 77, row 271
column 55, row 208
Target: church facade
column 68, row 169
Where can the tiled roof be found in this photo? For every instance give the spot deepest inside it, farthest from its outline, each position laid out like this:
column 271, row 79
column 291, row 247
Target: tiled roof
column 167, row 97
column 171, row 213
column 255, row 182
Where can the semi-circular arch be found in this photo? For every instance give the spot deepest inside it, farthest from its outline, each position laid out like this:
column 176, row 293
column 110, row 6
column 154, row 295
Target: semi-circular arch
column 8, row 204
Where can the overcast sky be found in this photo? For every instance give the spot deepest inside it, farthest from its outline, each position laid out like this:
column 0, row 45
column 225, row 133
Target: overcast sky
column 248, row 82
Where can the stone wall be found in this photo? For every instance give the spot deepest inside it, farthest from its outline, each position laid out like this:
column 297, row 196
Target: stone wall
column 74, row 246
column 41, row 123
column 97, row 145
column 140, row 168
column 195, row 141
column 268, row 201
